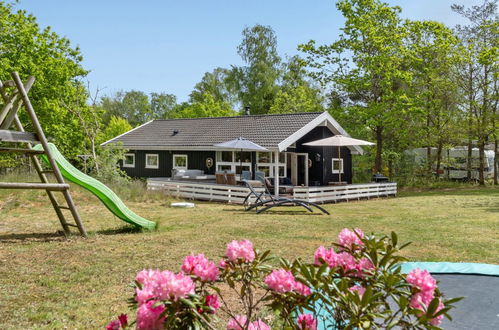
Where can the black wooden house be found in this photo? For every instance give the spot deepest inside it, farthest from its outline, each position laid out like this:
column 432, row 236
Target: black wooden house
column 158, row 147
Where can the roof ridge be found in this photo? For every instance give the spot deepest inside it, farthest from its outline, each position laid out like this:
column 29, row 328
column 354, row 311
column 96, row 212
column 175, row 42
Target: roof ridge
column 246, row 116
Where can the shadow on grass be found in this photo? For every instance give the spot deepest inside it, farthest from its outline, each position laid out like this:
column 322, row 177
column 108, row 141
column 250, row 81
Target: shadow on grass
column 121, row 230
column 32, row 237
column 274, row 211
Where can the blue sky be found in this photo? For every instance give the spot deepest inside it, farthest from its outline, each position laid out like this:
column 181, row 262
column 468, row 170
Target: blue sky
column 167, row 45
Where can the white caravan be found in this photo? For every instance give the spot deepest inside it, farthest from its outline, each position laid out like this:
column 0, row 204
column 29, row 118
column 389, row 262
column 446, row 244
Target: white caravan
column 454, row 162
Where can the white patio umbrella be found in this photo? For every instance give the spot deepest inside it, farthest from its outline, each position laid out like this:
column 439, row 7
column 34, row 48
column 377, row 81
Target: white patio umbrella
column 241, row 144
column 339, row 141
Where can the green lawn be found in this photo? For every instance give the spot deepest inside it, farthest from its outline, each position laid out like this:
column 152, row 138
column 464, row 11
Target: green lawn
column 50, row 282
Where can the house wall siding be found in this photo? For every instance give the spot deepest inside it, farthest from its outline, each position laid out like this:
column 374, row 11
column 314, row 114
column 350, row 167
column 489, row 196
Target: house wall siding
column 321, row 170
column 196, row 160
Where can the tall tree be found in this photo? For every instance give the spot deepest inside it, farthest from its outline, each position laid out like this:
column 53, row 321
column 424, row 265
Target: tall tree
column 56, row 65
column 205, row 107
column 296, row 92
column 162, row 105
column 365, row 66
column 217, row 84
column 432, row 50
column 133, row 105
column 256, row 83
column 480, row 48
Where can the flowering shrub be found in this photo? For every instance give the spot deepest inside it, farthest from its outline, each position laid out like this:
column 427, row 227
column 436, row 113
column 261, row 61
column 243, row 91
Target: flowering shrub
column 355, row 284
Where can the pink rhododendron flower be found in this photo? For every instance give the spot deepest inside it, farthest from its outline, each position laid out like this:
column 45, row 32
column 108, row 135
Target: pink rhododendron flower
column 346, row 261
column 201, row 267
column 148, row 317
column 350, row 238
column 113, row 325
column 422, row 280
column 302, row 289
column 240, row 250
column 258, row 325
column 163, row 286
column 146, row 276
column 437, row 320
column 222, row 264
column 237, row 323
column 281, row 280
column 328, row 255
column 359, row 289
column 212, row 301
column 306, row 322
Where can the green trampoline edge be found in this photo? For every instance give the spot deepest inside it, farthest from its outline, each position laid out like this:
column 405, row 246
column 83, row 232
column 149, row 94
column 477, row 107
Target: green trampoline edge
column 438, row 267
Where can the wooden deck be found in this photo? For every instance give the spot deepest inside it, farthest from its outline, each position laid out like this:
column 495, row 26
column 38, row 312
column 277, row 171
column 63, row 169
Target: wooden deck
column 210, row 191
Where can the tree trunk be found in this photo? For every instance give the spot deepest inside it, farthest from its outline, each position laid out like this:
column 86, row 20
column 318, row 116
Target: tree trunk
column 428, row 160
column 496, row 161
column 439, row 158
column 94, row 155
column 468, row 159
column 378, row 162
column 481, row 150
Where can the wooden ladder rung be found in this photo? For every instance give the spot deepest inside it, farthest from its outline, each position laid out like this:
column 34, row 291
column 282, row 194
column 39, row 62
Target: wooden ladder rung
column 27, row 185
column 63, row 207
column 70, row 224
column 22, row 150
column 47, row 171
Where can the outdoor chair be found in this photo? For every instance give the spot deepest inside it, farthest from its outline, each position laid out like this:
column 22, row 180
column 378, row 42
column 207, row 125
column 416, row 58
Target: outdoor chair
column 267, row 201
column 260, row 176
column 245, row 175
column 220, row 178
column 230, row 179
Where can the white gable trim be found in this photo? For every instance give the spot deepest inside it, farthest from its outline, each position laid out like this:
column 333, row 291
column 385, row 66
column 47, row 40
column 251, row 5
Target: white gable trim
column 323, row 119
column 133, row 129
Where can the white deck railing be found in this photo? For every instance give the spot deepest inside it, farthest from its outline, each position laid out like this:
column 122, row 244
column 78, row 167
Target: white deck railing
column 201, row 191
column 237, row 194
column 338, row 193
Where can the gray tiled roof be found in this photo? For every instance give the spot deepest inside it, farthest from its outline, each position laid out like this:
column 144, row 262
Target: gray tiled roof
column 265, row 130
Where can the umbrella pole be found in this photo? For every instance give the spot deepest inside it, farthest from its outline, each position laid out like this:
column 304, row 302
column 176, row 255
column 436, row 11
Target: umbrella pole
column 241, row 164
column 339, row 167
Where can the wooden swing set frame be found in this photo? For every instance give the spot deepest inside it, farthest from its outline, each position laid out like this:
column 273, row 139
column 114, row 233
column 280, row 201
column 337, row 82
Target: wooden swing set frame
column 14, row 94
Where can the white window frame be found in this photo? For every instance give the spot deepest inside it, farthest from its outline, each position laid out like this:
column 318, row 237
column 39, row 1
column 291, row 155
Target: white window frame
column 186, row 161
column 157, row 161
column 341, row 170
column 271, row 165
column 129, row 165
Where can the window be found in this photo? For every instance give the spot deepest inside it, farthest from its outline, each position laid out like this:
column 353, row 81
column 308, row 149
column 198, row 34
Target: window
column 337, row 165
column 246, row 156
column 224, row 168
column 264, row 157
column 152, row 161
column 180, row 161
column 129, row 160
column 224, row 156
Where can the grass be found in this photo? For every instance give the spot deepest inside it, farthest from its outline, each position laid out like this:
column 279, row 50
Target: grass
column 50, row 282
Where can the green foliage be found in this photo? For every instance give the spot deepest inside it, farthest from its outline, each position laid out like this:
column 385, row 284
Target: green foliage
column 55, row 64
column 217, row 84
column 107, row 164
column 206, row 106
column 256, row 83
column 365, row 67
column 115, row 127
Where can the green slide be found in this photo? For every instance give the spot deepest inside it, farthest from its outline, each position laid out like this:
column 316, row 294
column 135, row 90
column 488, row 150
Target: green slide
column 106, row 195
